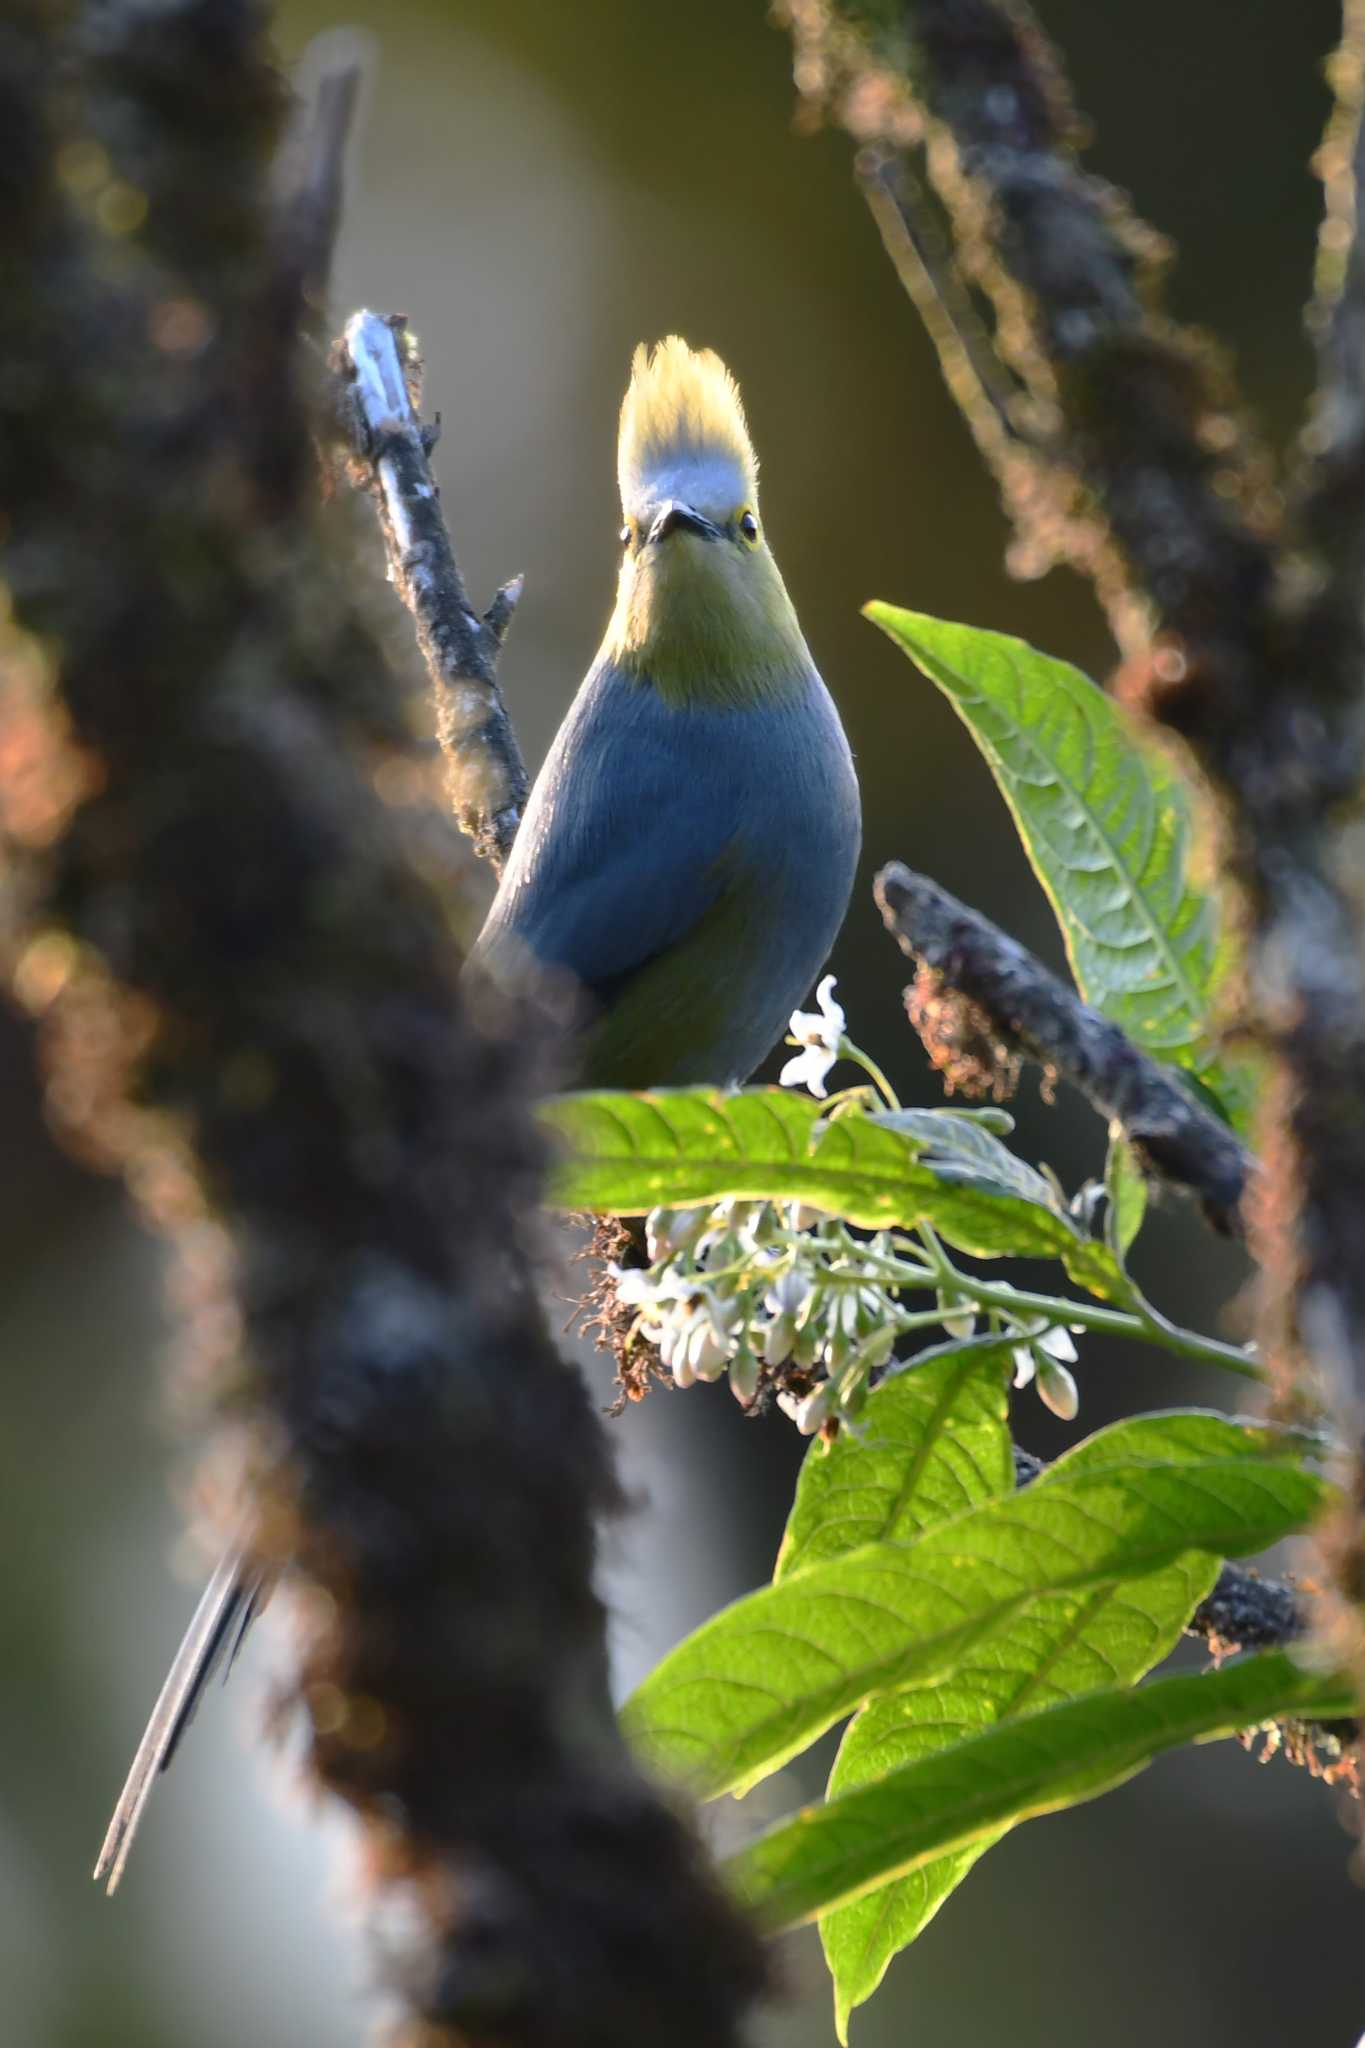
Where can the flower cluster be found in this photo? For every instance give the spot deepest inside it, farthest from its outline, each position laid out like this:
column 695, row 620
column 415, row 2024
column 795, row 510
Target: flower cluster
column 755, row 1289
column 763, row 1291
column 782, row 1297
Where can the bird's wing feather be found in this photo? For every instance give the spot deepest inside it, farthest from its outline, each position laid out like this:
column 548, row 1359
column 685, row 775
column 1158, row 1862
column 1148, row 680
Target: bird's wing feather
column 622, row 853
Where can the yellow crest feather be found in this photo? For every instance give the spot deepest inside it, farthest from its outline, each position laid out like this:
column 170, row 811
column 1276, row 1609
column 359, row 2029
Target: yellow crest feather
column 682, row 408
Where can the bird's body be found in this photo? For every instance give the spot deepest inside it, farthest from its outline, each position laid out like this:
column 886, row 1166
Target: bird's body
column 689, row 866
column 687, row 852
column 689, row 846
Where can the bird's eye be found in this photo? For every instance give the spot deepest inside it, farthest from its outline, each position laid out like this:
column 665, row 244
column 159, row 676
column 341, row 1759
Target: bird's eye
column 748, row 527
column 625, row 536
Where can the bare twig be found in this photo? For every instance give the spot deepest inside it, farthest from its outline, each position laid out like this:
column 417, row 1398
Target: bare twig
column 1031, row 1012
column 485, row 772
column 249, row 1002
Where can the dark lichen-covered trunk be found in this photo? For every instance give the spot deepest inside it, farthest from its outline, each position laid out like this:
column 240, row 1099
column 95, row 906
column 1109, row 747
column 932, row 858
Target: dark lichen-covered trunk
column 247, row 981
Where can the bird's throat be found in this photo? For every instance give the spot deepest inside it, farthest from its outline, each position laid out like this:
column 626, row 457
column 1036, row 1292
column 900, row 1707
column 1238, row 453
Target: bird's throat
column 703, row 625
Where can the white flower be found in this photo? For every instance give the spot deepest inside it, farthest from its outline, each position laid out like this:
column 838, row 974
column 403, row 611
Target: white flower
column 635, row 1288
column 818, row 1033
column 1058, row 1344
column 1041, row 1359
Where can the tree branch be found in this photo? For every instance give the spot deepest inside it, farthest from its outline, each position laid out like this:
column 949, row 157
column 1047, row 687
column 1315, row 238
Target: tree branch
column 1246, row 645
column 1330, row 494
column 485, row 772
column 249, row 1002
column 1028, row 1011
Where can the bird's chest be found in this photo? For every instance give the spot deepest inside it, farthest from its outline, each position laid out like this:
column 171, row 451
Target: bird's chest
column 773, row 780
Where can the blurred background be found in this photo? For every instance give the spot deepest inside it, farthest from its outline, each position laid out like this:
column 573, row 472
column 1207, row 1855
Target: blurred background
column 539, row 186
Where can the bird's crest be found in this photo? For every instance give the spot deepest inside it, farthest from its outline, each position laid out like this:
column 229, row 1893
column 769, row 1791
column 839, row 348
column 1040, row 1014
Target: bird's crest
column 682, row 411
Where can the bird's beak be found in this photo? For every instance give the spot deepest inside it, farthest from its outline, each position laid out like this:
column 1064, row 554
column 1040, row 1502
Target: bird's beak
column 674, row 517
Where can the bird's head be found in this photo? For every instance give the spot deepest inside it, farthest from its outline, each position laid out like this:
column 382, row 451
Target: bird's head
column 701, row 610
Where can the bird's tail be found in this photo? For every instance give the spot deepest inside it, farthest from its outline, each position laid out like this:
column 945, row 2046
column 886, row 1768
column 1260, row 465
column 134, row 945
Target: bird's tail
column 231, row 1600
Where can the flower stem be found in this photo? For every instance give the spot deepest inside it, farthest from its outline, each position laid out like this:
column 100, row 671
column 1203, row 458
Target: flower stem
column 849, row 1051
column 1147, row 1329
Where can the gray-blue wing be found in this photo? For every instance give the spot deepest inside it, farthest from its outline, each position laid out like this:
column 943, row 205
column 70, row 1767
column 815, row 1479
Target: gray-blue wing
column 620, row 853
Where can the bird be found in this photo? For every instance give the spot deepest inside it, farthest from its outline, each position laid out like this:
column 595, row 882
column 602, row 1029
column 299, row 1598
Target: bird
column 687, row 852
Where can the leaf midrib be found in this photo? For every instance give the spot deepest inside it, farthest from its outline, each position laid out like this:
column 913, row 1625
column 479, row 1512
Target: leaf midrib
column 806, row 1715
column 1194, row 1000
column 1266, row 1685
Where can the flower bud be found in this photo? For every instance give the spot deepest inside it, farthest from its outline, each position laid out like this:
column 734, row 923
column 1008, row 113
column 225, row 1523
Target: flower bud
column 958, row 1319
column 1057, row 1389
column 673, row 1354
column 808, row 1411
column 706, row 1352
column 875, row 1348
column 744, row 1377
column 789, row 1292
column 766, row 1227
column 806, row 1345
column 668, row 1231
column 778, row 1339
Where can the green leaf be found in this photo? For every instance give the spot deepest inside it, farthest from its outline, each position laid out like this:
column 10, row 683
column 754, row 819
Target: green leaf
column 1058, row 1648
column 759, row 1681
column 963, row 1149
column 827, row 1854
column 1108, row 827
column 930, row 1442
column 680, row 1147
column 1126, row 1186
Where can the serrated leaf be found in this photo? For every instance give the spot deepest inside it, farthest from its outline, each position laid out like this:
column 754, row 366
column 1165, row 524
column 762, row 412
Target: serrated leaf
column 945, row 1802
column 1108, row 827
column 1125, row 1184
column 759, row 1681
column 1058, row 1648
column 679, row 1147
column 931, row 1441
